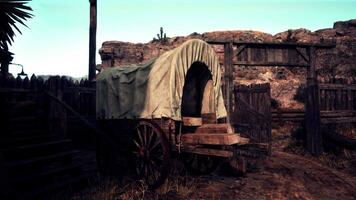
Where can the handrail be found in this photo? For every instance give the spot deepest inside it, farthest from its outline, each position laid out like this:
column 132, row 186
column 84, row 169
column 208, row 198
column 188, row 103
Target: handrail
column 85, row 121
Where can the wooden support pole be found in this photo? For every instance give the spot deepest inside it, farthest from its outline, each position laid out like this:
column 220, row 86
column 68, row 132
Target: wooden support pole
column 228, row 56
column 314, row 138
column 92, row 40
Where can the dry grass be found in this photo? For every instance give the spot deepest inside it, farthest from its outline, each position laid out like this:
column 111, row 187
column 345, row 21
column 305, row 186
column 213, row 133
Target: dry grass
column 175, row 187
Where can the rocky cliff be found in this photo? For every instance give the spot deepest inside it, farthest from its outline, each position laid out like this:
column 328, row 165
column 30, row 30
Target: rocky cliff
column 339, row 62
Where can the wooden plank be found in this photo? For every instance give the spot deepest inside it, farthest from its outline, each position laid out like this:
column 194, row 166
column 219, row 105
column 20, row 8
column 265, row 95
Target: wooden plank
column 214, row 128
column 192, row 121
column 338, row 120
column 206, row 151
column 336, row 113
column 333, row 86
column 213, row 139
column 269, row 63
column 302, row 54
column 239, row 50
column 272, row 44
column 228, row 57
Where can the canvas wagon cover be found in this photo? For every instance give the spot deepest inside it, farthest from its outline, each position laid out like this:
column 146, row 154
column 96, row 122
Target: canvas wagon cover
column 155, row 89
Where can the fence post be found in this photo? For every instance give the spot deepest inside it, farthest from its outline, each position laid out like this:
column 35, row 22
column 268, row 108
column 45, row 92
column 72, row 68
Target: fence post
column 314, row 138
column 228, row 56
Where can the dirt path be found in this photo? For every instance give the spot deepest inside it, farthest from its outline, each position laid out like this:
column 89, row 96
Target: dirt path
column 284, row 176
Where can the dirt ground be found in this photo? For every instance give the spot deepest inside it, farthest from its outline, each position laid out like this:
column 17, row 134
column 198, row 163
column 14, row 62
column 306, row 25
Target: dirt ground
column 289, row 173
column 284, row 176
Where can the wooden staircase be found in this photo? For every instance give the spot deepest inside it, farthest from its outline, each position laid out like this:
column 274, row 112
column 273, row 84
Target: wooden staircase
column 210, row 134
column 34, row 163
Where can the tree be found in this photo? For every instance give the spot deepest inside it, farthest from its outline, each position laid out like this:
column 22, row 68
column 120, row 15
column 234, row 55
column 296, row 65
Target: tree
column 11, row 13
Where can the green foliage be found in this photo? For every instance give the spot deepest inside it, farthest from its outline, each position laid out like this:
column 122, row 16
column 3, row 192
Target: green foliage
column 12, row 12
column 161, row 37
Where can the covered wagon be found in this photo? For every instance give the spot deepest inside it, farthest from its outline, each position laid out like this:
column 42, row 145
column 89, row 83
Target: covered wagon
column 170, row 105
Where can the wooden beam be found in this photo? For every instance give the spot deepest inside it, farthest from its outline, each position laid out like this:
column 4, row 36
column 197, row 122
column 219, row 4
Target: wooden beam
column 213, row 139
column 314, row 138
column 92, row 39
column 228, row 56
column 272, row 64
column 192, row 121
column 272, row 44
column 304, row 56
column 206, row 151
column 239, row 50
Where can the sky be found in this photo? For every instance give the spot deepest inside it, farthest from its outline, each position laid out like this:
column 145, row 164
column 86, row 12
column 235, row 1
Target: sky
column 57, row 40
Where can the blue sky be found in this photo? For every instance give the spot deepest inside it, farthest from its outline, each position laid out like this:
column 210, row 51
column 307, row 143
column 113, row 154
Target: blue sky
column 56, row 41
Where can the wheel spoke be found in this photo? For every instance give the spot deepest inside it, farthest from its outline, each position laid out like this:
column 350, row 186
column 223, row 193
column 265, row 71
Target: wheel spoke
column 145, row 136
column 136, row 143
column 150, row 137
column 140, row 136
column 155, row 144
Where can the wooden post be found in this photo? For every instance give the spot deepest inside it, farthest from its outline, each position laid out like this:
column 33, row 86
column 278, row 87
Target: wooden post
column 92, row 40
column 228, row 56
column 314, row 138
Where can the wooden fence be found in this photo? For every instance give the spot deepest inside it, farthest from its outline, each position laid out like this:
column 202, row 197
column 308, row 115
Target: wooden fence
column 252, row 113
column 80, row 95
column 337, row 104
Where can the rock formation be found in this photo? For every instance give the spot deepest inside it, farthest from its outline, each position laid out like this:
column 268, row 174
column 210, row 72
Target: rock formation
column 339, row 62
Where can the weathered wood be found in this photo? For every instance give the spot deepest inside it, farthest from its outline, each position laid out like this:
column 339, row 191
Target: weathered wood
column 192, row 121
column 228, row 56
column 213, row 139
column 239, row 50
column 338, row 120
column 208, row 118
column 213, row 128
column 314, row 138
column 270, row 63
column 208, row 151
column 272, row 44
column 302, row 54
column 92, row 39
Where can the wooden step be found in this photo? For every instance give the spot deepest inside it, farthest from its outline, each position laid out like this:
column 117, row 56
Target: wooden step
column 14, row 165
column 214, row 128
column 213, row 139
column 9, row 142
column 36, row 150
column 192, row 121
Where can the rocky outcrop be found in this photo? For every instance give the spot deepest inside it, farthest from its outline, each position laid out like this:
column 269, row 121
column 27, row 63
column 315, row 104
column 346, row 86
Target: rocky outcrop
column 339, row 62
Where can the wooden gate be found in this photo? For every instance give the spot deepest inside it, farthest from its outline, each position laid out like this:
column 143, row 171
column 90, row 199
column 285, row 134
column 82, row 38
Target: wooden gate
column 251, row 114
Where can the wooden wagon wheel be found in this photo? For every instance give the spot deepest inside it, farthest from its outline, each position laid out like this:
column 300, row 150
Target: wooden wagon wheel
column 200, row 164
column 150, row 153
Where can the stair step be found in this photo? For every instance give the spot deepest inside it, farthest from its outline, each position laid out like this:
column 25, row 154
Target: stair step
column 36, row 150
column 20, row 141
column 209, row 128
column 213, row 139
column 14, row 165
